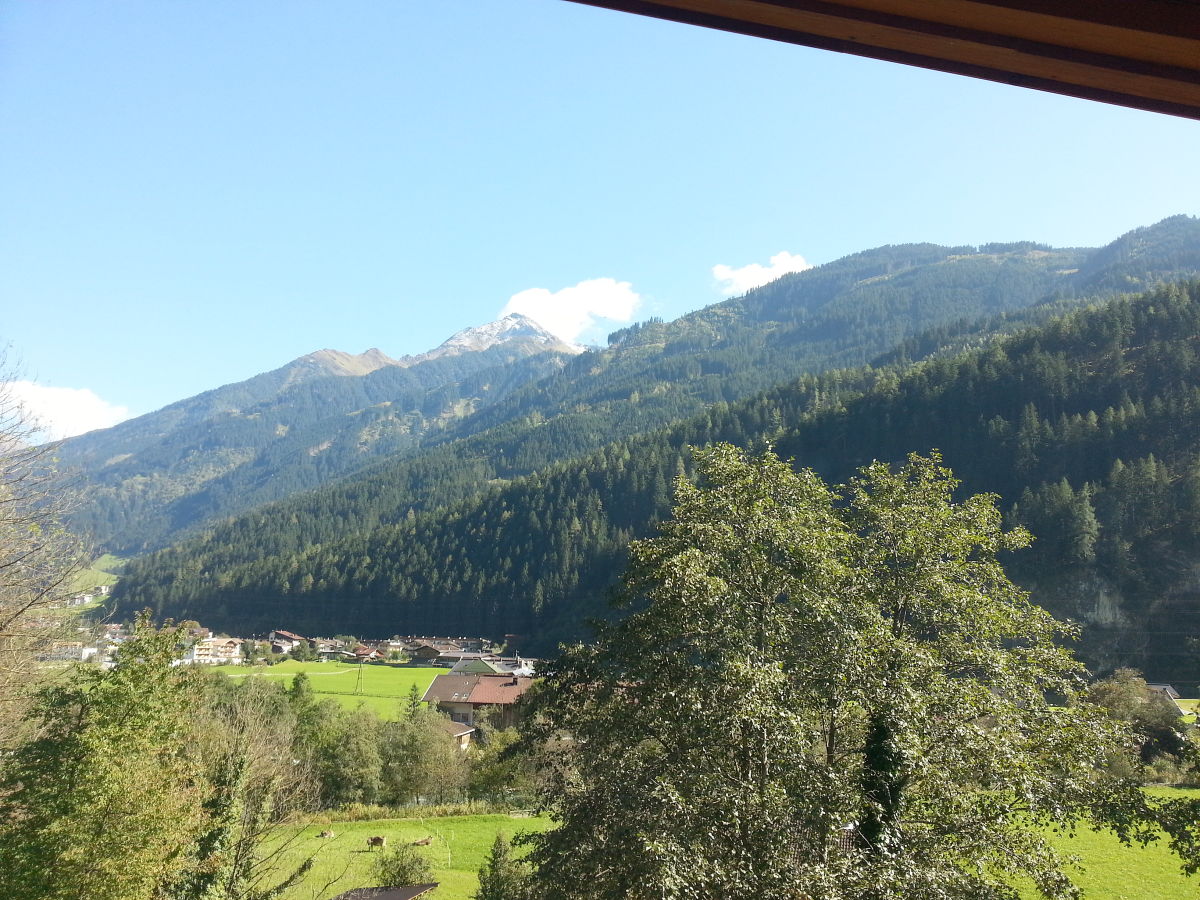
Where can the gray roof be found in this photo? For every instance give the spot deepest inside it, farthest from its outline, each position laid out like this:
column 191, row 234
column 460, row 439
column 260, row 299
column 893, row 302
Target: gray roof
column 387, row 893
column 1164, row 689
column 456, row 729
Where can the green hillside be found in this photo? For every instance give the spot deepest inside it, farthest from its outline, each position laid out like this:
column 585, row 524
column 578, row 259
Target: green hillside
column 433, row 434
column 154, row 478
column 1087, row 427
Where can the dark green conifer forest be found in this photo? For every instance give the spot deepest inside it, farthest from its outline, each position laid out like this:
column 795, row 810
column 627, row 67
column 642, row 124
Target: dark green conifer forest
column 432, row 433
column 1086, row 427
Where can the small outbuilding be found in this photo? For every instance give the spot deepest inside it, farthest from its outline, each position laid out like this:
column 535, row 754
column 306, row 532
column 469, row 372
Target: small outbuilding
column 460, row 732
column 1167, row 691
column 407, row 892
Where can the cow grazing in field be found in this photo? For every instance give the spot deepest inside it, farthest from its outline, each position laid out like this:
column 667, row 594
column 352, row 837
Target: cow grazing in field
column 425, row 842
column 376, row 842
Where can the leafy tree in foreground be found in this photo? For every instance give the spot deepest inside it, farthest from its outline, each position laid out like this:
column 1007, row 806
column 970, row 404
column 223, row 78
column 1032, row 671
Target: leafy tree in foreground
column 102, row 801
column 38, row 559
column 419, row 759
column 1155, row 719
column 246, row 740
column 826, row 693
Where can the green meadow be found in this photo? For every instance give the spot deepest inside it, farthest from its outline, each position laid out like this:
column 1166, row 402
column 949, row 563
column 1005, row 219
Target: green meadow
column 378, row 687
column 1108, row 870
column 458, row 848
column 105, row 569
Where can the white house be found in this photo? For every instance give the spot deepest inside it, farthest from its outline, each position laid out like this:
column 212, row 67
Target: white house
column 214, row 651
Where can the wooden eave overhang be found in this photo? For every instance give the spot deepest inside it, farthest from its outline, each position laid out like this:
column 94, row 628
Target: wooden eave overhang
column 1143, row 54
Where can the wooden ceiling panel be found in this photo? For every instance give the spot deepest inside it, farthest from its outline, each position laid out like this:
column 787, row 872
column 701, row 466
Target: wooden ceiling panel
column 1143, row 54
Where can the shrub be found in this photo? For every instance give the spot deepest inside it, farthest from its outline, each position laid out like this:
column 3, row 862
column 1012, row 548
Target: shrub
column 402, row 865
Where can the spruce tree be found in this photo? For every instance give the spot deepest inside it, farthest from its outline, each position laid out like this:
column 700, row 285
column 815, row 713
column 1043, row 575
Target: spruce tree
column 502, row 876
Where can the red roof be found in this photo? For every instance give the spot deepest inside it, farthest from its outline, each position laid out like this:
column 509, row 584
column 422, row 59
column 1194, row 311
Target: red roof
column 478, row 690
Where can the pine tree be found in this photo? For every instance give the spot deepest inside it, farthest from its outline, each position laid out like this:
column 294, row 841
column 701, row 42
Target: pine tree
column 502, row 876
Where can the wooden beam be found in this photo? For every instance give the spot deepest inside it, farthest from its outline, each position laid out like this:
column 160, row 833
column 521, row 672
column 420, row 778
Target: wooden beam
column 1144, row 55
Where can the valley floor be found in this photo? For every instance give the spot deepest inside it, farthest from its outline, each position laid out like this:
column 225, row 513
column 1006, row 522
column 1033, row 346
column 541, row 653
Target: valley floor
column 381, row 687
column 1108, row 870
column 459, row 846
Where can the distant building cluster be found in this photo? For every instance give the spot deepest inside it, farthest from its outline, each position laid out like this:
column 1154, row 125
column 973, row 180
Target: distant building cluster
column 84, row 598
column 460, row 654
column 477, row 678
column 95, row 644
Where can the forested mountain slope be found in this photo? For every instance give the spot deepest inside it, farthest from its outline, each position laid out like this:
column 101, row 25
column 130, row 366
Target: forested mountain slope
column 842, row 314
column 501, row 424
column 319, row 417
column 1087, row 427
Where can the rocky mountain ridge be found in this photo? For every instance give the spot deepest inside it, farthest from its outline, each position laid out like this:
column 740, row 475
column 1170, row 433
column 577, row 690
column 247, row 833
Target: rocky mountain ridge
column 316, row 418
column 513, row 327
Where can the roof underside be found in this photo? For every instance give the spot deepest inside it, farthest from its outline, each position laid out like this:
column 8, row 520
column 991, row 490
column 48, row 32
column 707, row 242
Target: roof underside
column 1143, row 54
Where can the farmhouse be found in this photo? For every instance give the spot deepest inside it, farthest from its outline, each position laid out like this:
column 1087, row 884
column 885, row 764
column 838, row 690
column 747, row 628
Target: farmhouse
column 409, row 642
column 485, row 663
column 285, row 641
column 430, row 650
column 463, row 697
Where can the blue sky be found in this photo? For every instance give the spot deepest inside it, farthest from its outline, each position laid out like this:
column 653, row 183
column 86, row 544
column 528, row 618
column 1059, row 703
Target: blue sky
column 192, row 193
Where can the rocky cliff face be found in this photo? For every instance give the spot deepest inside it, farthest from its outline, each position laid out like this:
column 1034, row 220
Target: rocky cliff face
column 1143, row 622
column 337, row 362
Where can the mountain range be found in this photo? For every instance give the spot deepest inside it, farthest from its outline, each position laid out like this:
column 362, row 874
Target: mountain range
column 573, row 452
column 319, row 417
column 522, row 398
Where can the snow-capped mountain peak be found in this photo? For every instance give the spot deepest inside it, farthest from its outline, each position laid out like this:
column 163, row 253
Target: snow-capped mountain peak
column 512, row 328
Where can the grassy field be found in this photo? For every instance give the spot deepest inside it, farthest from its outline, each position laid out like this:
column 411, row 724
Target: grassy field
column 460, row 845
column 1109, row 871
column 1189, row 710
column 103, row 570
column 382, row 686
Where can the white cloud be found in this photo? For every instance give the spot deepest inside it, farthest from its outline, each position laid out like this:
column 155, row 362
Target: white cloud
column 570, row 312
column 740, row 280
column 63, row 412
